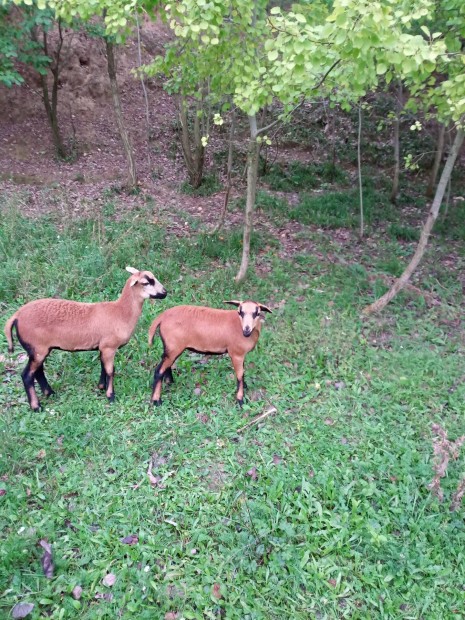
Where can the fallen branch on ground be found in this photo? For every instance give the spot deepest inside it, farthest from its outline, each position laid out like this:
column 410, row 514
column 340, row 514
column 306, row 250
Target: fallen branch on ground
column 258, row 419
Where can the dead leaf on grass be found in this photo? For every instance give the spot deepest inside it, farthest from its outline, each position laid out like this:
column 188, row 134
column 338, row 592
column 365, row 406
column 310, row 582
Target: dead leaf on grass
column 253, row 473
column 77, row 592
column 109, row 580
column 106, row 596
column 46, row 559
column 277, row 459
column 41, row 454
column 216, row 591
column 130, row 540
column 330, row 421
column 171, row 615
column 21, row 610
column 2, row 492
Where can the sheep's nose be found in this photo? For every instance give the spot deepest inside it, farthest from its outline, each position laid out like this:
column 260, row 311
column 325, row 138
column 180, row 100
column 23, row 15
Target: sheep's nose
column 246, row 331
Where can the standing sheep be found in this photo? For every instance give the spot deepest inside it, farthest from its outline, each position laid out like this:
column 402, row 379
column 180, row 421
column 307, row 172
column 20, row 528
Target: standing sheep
column 47, row 324
column 207, row 330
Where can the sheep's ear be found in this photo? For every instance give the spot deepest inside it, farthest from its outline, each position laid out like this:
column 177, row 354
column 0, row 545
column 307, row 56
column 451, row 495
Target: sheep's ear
column 264, row 308
column 233, row 302
column 132, row 270
column 134, row 282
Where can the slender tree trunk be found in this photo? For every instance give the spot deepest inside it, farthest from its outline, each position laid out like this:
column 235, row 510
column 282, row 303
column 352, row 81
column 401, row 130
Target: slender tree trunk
column 132, row 175
column 228, row 176
column 437, row 161
column 359, row 164
column 252, row 174
column 396, row 139
column 144, row 90
column 380, row 303
column 194, row 161
column 51, row 104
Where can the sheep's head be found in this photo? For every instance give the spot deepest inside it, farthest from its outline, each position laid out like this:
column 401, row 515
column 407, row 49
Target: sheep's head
column 249, row 313
column 150, row 287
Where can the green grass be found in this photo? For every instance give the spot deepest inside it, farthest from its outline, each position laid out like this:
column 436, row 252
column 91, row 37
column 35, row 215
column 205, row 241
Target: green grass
column 342, row 208
column 297, row 176
column 338, row 522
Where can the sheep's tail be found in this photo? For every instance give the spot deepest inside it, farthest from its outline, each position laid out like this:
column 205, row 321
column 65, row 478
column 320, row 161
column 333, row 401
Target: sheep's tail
column 153, row 328
column 9, row 331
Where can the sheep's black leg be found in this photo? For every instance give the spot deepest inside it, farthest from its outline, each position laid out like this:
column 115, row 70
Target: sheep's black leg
column 107, row 357
column 102, row 384
column 28, row 376
column 168, row 376
column 42, row 381
column 238, row 363
column 157, row 383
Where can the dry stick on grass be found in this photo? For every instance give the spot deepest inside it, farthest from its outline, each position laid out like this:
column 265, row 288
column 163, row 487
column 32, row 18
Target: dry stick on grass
column 443, row 450
column 258, row 419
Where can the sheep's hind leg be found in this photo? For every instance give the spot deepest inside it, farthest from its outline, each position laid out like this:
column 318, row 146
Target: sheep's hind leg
column 107, row 357
column 168, row 378
column 162, row 370
column 102, row 384
column 42, row 381
column 28, row 375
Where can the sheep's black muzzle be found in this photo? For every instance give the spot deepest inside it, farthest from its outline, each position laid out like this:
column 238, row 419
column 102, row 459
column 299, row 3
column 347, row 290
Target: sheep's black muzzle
column 159, row 295
column 247, row 331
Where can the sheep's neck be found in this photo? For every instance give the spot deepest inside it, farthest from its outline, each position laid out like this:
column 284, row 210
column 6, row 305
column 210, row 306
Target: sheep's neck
column 130, row 304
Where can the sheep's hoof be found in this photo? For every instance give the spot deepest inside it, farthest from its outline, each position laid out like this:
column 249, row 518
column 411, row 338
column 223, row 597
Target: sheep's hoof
column 111, row 398
column 49, row 392
column 102, row 386
column 240, row 402
column 156, row 403
column 38, row 408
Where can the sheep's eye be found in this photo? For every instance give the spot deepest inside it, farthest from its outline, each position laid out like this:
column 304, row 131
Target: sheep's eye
column 257, row 312
column 241, row 314
column 144, row 283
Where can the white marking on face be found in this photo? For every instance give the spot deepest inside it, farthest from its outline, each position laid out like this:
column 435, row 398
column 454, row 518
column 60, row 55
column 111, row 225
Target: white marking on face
column 249, row 313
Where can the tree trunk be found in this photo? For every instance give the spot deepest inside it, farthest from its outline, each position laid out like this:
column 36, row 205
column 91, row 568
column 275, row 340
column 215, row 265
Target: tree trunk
column 396, row 139
column 228, row 175
column 252, row 173
column 359, row 165
column 380, row 303
column 132, row 175
column 144, row 90
column 194, row 161
column 437, row 161
column 51, row 106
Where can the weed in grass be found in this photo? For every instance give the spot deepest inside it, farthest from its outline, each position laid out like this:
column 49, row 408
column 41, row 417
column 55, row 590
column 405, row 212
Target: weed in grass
column 336, row 520
column 403, row 233
column 210, row 185
column 297, row 176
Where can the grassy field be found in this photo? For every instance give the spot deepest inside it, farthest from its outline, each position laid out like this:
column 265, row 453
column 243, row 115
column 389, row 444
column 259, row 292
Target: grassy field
column 320, row 511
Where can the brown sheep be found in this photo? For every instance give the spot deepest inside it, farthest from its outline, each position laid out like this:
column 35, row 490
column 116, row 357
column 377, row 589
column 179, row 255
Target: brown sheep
column 207, row 330
column 47, row 324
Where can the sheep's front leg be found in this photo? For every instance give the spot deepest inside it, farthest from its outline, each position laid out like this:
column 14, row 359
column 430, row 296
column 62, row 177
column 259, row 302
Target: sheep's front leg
column 107, row 357
column 238, row 363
